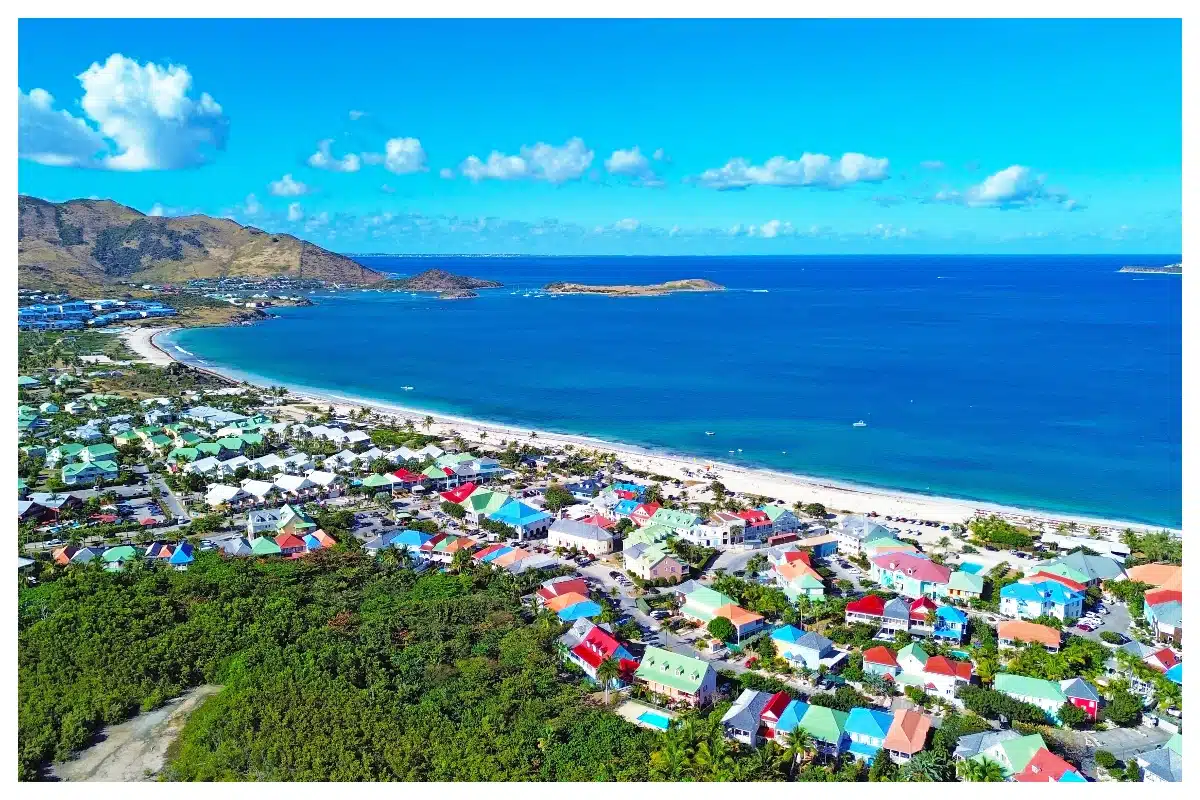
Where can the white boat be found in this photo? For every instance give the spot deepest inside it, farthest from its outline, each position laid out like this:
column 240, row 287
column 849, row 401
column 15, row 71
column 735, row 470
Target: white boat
column 710, row 433
column 407, row 388
column 860, row 424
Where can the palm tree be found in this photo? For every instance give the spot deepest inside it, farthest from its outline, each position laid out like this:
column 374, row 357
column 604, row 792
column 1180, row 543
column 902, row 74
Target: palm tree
column 533, row 434
column 981, row 770
column 607, row 671
column 802, row 743
column 668, row 763
column 427, row 423
column 409, row 426
column 927, row 766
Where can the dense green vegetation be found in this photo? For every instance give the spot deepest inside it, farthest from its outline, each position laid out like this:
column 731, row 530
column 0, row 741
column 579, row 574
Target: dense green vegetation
column 993, row 530
column 1152, row 547
column 335, row 667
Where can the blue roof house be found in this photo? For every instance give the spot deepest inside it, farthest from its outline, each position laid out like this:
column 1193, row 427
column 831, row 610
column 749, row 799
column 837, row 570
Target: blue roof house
column 625, row 507
column 950, row 623
column 789, row 719
column 410, row 540
column 807, row 649
column 867, row 728
column 525, row 520
column 1032, row 600
column 181, row 556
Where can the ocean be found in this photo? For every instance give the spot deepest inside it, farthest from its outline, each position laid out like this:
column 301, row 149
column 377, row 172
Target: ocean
column 1047, row 382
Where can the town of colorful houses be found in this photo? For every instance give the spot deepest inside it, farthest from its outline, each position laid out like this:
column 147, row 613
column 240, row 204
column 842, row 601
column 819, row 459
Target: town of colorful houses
column 924, row 602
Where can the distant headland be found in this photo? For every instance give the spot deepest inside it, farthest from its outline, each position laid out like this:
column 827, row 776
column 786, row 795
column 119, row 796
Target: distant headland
column 632, row 290
column 1169, row 269
column 444, row 283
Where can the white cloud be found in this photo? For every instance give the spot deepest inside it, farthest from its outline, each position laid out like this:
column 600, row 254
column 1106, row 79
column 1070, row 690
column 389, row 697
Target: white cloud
column 882, row 231
column 811, row 169
column 324, row 159
column 626, row 224
column 1013, row 187
column 287, row 186
column 542, row 162
column 53, row 137
column 354, row 114
column 446, row 173
column 144, row 118
column 659, row 154
column 295, row 212
column 404, row 156
column 387, row 189
column 251, row 206
column 157, row 210
column 769, row 230
column 634, row 164
column 933, row 164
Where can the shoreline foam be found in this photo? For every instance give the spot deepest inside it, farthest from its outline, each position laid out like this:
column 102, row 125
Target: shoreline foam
column 833, row 494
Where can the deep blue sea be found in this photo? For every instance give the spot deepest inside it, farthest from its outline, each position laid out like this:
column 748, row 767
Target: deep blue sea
column 1043, row 382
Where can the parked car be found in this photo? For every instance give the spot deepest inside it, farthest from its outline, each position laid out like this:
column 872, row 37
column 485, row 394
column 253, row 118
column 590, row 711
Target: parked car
column 1086, row 626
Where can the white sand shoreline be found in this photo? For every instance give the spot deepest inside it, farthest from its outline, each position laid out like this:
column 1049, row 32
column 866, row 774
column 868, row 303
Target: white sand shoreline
column 834, row 495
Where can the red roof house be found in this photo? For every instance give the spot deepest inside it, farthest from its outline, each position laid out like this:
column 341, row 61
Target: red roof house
column 290, row 543
column 1044, row 767
column 940, row 665
column 642, row 514
column 599, row 521
column 870, row 605
column 880, row 655
column 459, row 493
column 553, row 589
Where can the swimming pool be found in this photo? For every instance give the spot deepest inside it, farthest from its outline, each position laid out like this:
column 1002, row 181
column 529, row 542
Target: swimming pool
column 655, row 720
column 961, row 655
column 970, row 567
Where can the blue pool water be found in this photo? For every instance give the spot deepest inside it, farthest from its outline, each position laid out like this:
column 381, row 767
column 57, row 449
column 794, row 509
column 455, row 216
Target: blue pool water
column 1042, row 382
column 655, row 720
column 961, row 655
column 970, row 568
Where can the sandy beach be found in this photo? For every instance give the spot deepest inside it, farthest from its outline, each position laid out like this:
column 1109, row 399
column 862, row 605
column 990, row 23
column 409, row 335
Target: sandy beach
column 784, row 487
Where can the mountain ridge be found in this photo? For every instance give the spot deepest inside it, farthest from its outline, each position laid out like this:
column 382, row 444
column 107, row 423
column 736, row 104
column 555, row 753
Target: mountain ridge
column 83, row 244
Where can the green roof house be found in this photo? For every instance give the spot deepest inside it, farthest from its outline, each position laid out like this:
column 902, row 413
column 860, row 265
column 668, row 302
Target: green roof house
column 265, row 546
column 1046, row 695
column 126, row 438
column 688, row 680
column 208, row 448
column 188, row 439
column 88, row 472
column 375, row 481
column 26, row 382
column 828, row 727
column 99, row 452
column 701, row 604
column 232, row 443
column 962, row 586
column 1014, row 754
column 183, row 454
column 64, row 454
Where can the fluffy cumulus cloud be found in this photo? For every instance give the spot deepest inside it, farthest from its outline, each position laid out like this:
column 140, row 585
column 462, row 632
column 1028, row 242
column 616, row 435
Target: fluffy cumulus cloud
column 54, row 137
column 540, row 162
column 634, row 164
column 287, row 186
column 295, row 212
column 324, row 159
column 404, row 156
column 811, row 169
column 136, row 117
column 1013, row 187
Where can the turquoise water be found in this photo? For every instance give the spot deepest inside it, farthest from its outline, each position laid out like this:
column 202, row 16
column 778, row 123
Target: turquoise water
column 970, row 568
column 961, row 655
column 1046, row 383
column 656, row 720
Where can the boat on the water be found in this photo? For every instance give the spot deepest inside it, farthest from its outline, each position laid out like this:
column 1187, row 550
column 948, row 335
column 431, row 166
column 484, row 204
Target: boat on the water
column 860, row 424
column 710, row 433
column 407, row 388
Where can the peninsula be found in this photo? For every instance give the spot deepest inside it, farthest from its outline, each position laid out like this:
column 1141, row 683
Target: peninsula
column 633, row 290
column 1169, row 269
column 440, row 281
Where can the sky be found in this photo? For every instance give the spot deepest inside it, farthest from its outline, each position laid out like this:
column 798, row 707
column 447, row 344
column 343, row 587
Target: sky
column 621, row 137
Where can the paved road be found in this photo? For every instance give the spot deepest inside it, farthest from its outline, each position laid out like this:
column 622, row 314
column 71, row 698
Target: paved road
column 177, row 508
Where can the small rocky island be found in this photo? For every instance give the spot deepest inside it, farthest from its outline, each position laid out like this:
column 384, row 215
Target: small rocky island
column 633, row 290
column 1169, row 269
column 440, row 281
column 457, row 294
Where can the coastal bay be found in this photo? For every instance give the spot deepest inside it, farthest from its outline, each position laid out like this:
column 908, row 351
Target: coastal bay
column 987, row 417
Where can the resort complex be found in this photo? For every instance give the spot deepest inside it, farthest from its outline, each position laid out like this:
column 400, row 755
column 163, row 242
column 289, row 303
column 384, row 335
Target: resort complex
column 860, row 646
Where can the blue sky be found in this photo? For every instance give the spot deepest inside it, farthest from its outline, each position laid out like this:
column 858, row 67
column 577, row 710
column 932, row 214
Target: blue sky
column 751, row 136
